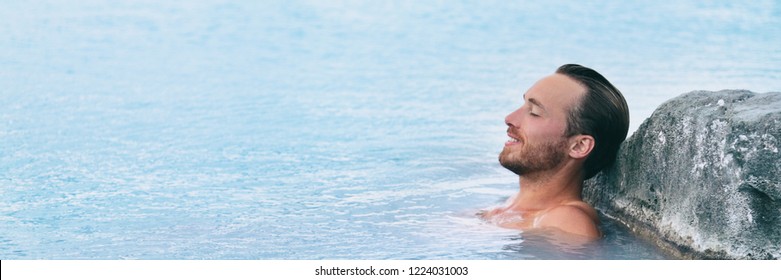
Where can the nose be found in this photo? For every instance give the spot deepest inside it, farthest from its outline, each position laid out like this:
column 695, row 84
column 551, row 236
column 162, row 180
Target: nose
column 513, row 119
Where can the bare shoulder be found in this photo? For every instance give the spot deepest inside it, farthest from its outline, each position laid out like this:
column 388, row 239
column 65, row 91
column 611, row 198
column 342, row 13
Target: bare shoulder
column 576, row 218
column 586, row 208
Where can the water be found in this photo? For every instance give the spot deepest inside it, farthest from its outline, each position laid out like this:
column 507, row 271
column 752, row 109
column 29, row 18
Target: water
column 312, row 129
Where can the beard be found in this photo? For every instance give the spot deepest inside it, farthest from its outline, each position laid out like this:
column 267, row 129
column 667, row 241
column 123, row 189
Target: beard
column 528, row 159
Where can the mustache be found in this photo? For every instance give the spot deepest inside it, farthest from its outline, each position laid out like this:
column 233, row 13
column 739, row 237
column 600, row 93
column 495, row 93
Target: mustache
column 514, row 132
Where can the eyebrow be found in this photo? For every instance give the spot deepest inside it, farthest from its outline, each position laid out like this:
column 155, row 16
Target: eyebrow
column 535, row 102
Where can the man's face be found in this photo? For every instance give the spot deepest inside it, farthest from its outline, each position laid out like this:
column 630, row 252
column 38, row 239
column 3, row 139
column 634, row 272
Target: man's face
column 536, row 130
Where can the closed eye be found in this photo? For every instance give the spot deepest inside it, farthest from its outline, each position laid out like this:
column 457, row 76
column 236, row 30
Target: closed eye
column 532, row 111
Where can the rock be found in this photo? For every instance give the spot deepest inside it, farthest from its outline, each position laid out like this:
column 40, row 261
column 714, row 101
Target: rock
column 701, row 177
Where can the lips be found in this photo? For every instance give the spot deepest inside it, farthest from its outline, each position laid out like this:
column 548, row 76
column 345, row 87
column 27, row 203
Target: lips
column 513, row 139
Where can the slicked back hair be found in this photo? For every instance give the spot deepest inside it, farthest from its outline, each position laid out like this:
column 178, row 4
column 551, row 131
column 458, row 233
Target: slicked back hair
column 602, row 113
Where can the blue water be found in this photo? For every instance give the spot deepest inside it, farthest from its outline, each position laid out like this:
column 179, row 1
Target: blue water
column 318, row 129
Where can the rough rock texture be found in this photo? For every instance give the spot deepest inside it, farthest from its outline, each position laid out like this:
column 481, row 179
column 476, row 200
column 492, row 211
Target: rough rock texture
column 701, row 177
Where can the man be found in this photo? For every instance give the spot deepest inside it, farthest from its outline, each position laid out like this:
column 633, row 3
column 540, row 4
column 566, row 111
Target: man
column 570, row 128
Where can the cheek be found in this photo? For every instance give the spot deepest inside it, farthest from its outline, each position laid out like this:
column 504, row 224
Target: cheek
column 544, row 130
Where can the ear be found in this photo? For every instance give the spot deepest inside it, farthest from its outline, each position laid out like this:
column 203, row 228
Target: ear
column 580, row 146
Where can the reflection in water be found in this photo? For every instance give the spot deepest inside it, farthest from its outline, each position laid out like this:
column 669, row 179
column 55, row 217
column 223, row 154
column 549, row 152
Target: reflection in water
column 617, row 243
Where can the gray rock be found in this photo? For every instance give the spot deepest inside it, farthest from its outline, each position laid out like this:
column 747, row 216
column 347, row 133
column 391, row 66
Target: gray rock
column 701, row 177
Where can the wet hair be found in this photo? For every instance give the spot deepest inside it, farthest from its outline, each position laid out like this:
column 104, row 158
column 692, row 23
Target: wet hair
column 602, row 113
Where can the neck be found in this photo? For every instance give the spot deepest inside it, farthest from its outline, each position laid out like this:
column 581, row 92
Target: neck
column 542, row 191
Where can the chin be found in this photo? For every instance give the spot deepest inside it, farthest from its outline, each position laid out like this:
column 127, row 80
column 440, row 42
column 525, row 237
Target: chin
column 511, row 165
column 507, row 156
